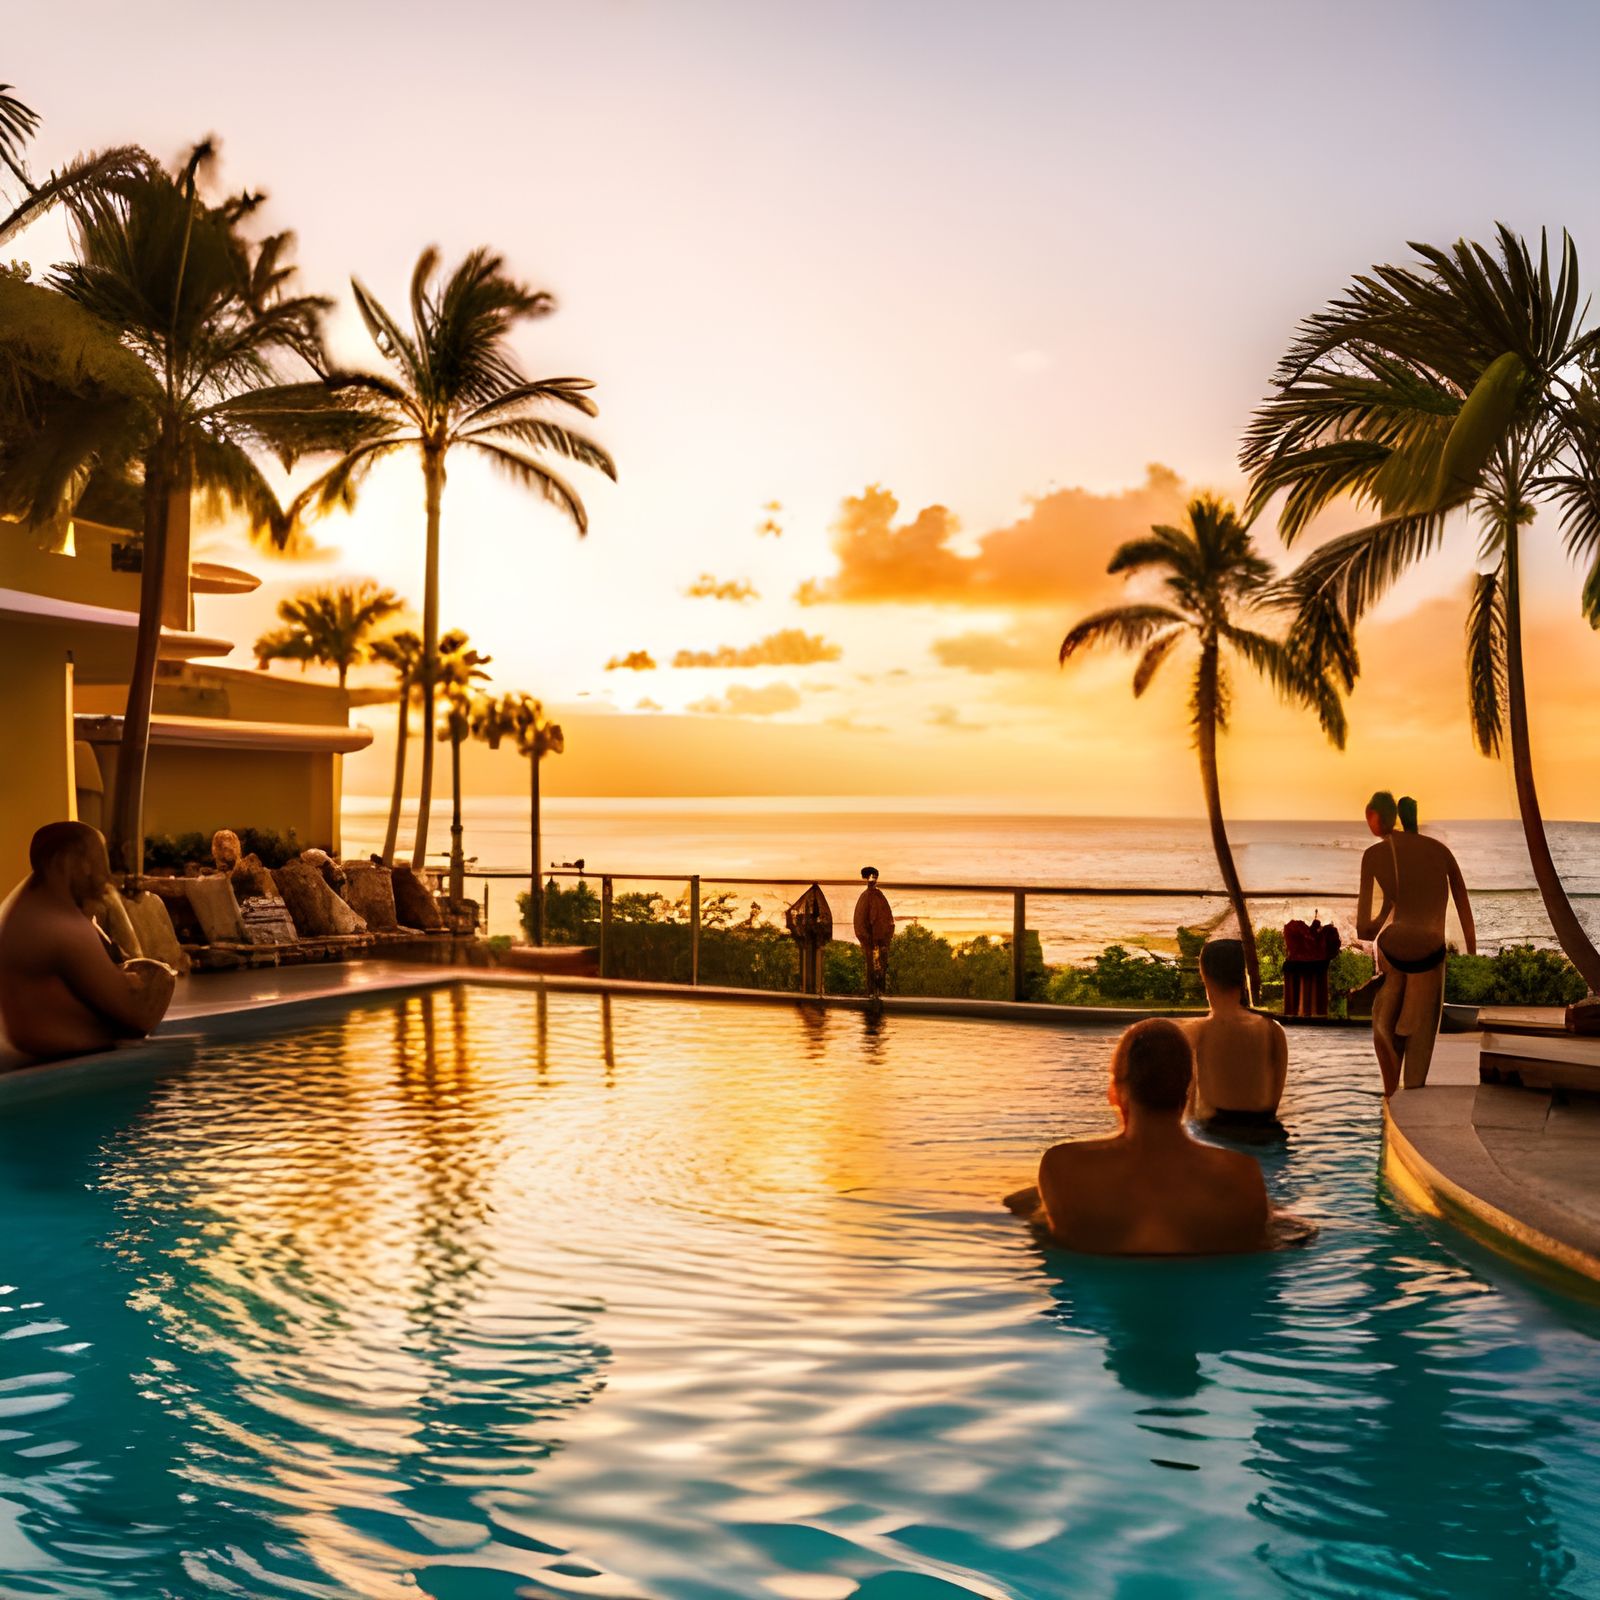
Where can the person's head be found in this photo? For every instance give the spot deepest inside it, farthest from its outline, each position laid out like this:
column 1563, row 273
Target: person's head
column 71, row 856
column 1406, row 808
column 869, row 874
column 1151, row 1069
column 1382, row 812
column 1222, row 969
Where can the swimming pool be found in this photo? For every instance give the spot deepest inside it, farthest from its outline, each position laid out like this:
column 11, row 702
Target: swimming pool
column 483, row 1294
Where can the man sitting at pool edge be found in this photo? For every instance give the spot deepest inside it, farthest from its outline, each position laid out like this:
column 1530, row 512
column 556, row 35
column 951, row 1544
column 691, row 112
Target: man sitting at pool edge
column 61, row 994
column 1151, row 1189
column 1241, row 1058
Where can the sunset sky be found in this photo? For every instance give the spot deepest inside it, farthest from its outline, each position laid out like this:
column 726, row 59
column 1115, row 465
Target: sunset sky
column 970, row 293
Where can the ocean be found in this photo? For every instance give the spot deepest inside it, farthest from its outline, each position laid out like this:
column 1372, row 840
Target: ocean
column 1294, row 869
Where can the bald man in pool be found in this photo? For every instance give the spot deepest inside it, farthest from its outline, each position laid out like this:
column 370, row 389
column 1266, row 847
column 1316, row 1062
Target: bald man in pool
column 61, row 994
column 1151, row 1189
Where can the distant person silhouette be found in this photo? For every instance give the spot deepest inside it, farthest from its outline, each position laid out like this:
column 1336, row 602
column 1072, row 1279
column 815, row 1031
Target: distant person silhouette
column 1241, row 1057
column 874, row 928
column 1151, row 1189
column 61, row 993
column 1417, row 878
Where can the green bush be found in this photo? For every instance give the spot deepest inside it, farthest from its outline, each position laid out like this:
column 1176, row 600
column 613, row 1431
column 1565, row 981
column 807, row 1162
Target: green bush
column 1271, row 953
column 1518, row 975
column 1121, row 976
column 1348, row 970
column 164, row 850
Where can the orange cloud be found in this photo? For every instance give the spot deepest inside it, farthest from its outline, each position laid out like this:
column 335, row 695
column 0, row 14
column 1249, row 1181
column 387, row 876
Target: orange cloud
column 789, row 647
column 1054, row 555
column 706, row 587
column 1030, row 649
column 634, row 661
column 742, row 700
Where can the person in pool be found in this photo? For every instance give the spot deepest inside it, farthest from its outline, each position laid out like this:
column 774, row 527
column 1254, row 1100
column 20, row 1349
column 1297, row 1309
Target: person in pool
column 1417, row 878
column 1241, row 1057
column 61, row 993
column 1152, row 1189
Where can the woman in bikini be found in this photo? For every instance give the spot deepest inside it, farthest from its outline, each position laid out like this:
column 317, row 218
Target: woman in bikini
column 1417, row 877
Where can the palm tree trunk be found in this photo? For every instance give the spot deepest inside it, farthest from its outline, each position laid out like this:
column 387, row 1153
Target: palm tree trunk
column 433, row 480
column 457, row 867
column 166, row 495
column 391, row 834
column 1206, row 709
column 536, row 871
column 1569, row 932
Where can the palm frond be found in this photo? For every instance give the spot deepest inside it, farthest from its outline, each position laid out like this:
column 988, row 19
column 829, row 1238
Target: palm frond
column 1157, row 651
column 1486, row 660
column 530, row 474
column 1355, row 570
column 537, row 433
column 1294, row 676
column 1132, row 627
column 564, row 391
column 391, row 339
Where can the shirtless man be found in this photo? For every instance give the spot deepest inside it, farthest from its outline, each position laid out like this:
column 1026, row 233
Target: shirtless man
column 1241, row 1057
column 61, row 994
column 1417, row 878
column 1151, row 1189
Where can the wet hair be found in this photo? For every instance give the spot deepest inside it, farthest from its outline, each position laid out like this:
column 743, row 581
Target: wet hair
column 1407, row 809
column 1154, row 1065
column 57, row 839
column 1222, row 961
column 1383, row 803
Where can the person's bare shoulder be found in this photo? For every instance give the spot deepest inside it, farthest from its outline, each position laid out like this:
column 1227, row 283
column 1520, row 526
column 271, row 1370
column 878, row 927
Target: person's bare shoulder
column 1060, row 1158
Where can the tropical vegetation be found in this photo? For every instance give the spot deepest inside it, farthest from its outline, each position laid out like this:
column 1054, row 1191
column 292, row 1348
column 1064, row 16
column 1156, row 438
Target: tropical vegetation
column 329, row 627
column 401, row 653
column 1211, row 578
column 456, row 671
column 457, row 386
column 521, row 718
column 1462, row 382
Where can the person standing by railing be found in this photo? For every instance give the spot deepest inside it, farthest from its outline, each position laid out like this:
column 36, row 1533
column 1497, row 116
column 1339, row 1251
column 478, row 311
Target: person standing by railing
column 874, row 925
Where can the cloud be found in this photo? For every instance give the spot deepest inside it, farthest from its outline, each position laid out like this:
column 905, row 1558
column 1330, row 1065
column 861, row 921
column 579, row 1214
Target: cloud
column 985, row 653
column 647, row 704
column 743, row 700
column 949, row 718
column 634, row 661
column 706, row 587
column 848, row 724
column 789, row 647
column 1055, row 555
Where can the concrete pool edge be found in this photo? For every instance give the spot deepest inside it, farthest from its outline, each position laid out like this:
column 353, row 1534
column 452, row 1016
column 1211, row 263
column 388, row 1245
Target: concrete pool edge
column 1436, row 1163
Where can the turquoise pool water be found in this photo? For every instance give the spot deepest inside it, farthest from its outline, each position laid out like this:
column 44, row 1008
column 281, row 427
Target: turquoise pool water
column 479, row 1296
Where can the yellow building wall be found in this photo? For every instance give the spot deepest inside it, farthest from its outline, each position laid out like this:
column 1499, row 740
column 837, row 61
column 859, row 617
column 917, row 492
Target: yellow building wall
column 188, row 790
column 36, row 766
column 81, row 573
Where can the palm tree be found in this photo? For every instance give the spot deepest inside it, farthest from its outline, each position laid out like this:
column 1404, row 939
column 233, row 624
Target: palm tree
column 18, row 124
column 521, row 717
column 1211, row 572
column 458, row 386
column 207, row 312
column 331, row 627
column 456, row 670
column 1463, row 382
column 402, row 654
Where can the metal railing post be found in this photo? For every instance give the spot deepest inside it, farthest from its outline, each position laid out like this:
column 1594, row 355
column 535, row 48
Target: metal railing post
column 486, row 907
column 1019, row 932
column 605, row 920
column 694, row 929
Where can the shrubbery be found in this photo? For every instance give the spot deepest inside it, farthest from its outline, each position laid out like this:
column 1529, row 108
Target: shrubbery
column 649, row 938
column 165, row 850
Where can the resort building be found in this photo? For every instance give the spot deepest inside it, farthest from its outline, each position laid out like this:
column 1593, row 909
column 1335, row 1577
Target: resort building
column 229, row 746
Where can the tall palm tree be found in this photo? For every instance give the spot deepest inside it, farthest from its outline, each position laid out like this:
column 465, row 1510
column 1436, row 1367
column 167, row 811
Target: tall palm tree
column 455, row 672
column 1211, row 573
column 457, row 386
column 331, row 627
column 402, row 654
column 1463, row 382
column 207, row 310
column 18, row 124
column 521, row 717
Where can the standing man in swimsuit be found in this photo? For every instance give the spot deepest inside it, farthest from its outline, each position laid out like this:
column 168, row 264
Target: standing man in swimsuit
column 1417, row 878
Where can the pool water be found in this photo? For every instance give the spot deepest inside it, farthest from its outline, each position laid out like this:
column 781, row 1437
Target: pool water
column 481, row 1294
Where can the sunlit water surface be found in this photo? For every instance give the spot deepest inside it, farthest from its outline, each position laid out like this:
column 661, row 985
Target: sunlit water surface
column 480, row 1296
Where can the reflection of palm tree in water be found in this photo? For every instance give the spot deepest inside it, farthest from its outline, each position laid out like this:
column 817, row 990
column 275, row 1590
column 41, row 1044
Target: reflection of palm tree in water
column 1382, row 1455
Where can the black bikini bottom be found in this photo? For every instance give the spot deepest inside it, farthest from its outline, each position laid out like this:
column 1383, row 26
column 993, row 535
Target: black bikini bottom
column 1221, row 1121
column 1425, row 963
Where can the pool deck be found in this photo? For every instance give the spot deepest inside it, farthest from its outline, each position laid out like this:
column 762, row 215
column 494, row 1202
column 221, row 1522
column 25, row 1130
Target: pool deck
column 1514, row 1167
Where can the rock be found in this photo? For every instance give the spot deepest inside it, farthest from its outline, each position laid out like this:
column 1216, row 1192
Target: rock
column 369, row 891
column 266, row 920
column 414, row 904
